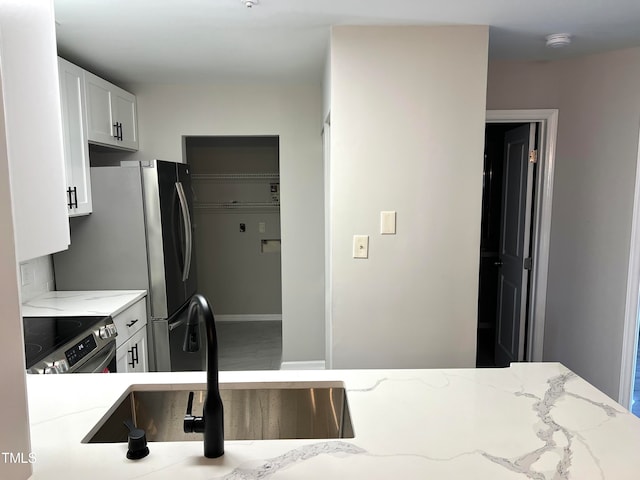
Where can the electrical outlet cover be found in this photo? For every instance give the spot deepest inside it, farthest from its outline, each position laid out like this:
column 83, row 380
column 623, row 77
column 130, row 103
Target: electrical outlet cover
column 361, row 246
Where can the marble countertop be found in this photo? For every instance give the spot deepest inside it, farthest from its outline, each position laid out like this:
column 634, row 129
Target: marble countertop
column 81, row 303
column 536, row 421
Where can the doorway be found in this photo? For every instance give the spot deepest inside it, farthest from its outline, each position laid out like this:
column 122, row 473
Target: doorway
column 505, row 253
column 523, row 301
column 237, row 236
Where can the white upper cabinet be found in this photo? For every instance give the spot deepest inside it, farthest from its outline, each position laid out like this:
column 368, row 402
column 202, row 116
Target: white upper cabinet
column 74, row 138
column 33, row 127
column 111, row 114
column 124, row 107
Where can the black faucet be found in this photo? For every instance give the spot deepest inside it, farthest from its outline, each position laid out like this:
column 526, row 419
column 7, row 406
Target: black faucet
column 211, row 422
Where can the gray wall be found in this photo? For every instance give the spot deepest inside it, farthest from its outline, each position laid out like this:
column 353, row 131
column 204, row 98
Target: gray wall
column 232, row 271
column 407, row 134
column 292, row 112
column 598, row 98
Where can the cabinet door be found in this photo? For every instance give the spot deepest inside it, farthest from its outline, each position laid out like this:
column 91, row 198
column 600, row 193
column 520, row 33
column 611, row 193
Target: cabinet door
column 74, row 138
column 131, row 356
column 32, row 124
column 124, row 114
column 123, row 355
column 140, row 351
column 100, row 122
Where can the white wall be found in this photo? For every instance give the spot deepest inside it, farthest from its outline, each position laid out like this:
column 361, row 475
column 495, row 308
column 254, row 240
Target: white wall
column 167, row 112
column 407, row 134
column 598, row 98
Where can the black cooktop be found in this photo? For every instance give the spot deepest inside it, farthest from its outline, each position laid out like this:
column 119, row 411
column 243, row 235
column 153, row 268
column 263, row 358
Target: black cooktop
column 44, row 335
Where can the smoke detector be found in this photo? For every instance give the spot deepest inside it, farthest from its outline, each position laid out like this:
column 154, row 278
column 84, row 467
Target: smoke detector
column 249, row 3
column 558, row 40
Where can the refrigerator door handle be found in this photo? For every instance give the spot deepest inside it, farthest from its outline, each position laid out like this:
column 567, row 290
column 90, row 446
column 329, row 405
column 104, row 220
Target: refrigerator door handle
column 186, row 217
column 172, row 326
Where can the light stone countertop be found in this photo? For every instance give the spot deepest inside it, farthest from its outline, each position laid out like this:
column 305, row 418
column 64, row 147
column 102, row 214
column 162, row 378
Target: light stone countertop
column 81, row 303
column 536, row 421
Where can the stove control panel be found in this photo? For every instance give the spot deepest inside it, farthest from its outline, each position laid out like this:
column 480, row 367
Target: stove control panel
column 81, row 350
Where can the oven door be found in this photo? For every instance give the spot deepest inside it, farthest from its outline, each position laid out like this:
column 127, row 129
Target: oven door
column 104, row 361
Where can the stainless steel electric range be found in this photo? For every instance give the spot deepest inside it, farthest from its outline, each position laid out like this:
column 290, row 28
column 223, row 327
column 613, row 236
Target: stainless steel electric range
column 69, row 344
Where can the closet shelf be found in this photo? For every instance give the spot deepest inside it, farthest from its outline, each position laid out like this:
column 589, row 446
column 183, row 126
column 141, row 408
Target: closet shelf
column 235, row 176
column 237, row 205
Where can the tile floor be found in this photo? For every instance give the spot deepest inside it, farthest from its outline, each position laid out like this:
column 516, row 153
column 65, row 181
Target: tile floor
column 249, row 345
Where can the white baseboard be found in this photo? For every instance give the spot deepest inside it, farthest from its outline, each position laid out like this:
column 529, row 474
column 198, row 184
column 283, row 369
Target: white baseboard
column 309, row 365
column 266, row 317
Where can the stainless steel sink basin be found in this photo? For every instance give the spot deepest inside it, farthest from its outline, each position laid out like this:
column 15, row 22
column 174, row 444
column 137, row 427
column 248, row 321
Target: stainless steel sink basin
column 275, row 411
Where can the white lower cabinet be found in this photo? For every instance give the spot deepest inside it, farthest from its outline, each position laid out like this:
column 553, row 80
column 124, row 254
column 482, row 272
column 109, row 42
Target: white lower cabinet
column 131, row 342
column 132, row 355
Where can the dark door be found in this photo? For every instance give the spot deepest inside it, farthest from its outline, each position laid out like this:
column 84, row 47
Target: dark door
column 514, row 247
column 176, row 234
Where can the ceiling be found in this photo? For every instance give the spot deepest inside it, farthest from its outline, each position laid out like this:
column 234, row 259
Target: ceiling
column 218, row 41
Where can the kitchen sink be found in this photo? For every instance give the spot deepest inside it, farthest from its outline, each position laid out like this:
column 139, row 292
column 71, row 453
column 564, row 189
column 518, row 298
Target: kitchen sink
column 251, row 412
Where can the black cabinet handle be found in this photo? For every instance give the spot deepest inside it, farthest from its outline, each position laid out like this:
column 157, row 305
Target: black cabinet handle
column 72, row 196
column 134, row 356
column 118, row 131
column 132, row 323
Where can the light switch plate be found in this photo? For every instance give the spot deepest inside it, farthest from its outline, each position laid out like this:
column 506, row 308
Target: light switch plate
column 388, row 223
column 361, row 246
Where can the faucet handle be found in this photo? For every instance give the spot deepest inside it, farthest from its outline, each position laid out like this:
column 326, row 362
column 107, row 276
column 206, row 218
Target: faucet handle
column 192, row 423
column 190, row 404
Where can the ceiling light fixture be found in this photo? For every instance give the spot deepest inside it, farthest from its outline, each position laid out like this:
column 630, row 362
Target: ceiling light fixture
column 558, row 40
column 249, row 3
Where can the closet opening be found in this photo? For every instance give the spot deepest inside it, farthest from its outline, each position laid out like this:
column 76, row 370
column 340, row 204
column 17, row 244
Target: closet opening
column 236, row 183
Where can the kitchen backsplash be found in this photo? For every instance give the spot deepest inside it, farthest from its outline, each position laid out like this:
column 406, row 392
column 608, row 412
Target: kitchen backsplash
column 36, row 277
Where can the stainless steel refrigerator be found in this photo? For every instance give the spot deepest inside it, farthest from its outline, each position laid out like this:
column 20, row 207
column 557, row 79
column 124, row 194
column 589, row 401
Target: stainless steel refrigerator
column 140, row 236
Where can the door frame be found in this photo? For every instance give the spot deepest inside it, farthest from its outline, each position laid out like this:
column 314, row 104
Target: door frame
column 632, row 305
column 328, row 263
column 540, row 237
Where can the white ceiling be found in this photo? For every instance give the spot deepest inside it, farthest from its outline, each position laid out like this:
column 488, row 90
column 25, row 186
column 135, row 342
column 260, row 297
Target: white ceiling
column 208, row 41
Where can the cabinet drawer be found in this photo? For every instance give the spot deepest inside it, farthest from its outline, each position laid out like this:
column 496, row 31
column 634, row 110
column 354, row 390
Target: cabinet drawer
column 130, row 321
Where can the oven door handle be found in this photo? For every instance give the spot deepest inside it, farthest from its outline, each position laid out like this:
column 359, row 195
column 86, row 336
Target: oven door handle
column 99, row 362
